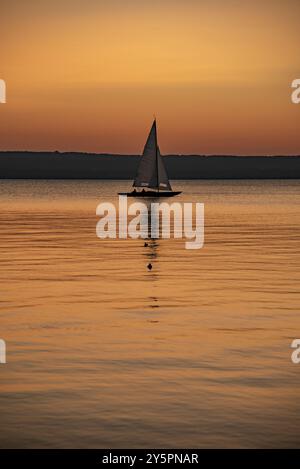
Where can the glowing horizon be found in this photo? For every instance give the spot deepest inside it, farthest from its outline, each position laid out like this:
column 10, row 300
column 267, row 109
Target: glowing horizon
column 89, row 77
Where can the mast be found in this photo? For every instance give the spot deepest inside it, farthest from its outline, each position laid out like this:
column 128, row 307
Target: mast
column 157, row 175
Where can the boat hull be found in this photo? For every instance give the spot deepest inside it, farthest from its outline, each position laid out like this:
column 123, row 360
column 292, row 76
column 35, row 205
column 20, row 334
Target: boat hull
column 151, row 194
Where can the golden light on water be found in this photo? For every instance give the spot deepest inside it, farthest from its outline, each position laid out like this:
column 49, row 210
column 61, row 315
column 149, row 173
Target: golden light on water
column 195, row 353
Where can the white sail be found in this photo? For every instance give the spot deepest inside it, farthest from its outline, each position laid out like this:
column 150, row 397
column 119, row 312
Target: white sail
column 151, row 171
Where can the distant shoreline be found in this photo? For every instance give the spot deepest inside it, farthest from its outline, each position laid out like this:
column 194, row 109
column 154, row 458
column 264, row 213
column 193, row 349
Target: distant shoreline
column 70, row 165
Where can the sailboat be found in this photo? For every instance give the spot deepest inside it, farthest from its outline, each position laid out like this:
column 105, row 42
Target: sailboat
column 151, row 179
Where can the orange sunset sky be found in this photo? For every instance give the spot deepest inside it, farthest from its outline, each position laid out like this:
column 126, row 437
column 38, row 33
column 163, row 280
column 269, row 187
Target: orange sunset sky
column 88, row 75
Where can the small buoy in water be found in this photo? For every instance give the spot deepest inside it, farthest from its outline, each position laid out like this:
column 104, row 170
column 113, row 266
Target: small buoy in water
column 145, row 245
column 149, row 266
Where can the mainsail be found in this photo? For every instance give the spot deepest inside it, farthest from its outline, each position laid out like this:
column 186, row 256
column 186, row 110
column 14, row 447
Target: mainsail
column 151, row 171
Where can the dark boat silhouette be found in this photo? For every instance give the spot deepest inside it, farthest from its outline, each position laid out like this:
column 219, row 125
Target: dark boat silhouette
column 151, row 179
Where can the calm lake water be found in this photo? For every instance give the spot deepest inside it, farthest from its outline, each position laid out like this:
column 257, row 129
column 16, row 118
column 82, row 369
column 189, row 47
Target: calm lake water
column 103, row 353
